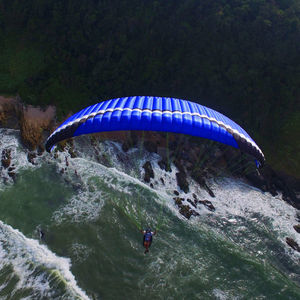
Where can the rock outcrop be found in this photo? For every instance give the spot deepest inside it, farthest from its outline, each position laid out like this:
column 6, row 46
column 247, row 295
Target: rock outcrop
column 148, row 171
column 34, row 123
column 297, row 228
column 293, row 244
column 6, row 158
column 268, row 180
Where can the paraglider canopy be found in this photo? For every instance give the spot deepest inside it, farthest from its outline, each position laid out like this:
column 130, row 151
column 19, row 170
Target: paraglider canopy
column 156, row 114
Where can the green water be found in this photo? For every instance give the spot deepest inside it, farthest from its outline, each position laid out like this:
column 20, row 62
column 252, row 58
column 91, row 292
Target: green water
column 32, row 200
column 96, row 227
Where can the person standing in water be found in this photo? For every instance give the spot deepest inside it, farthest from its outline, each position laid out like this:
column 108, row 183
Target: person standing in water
column 147, row 240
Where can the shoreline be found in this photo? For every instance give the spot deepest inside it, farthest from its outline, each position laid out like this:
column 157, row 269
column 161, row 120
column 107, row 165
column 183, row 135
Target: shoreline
column 36, row 124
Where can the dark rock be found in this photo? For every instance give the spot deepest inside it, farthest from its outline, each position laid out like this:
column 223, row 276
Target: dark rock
column 273, row 192
column 192, row 203
column 297, row 228
column 208, row 204
column 271, row 181
column 40, row 150
column 179, row 165
column 67, row 162
column 164, row 165
column 293, row 244
column 197, row 175
column 257, row 180
column 194, row 213
column 182, row 182
column 30, row 157
column 6, row 158
column 208, row 189
column 176, row 193
column 72, row 153
column 12, row 175
column 162, row 180
column 10, row 169
column 178, row 201
column 41, row 234
column 148, row 171
column 186, row 211
column 150, row 146
column 151, row 185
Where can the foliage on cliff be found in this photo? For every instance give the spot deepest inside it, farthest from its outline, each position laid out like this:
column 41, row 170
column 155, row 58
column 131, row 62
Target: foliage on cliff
column 240, row 57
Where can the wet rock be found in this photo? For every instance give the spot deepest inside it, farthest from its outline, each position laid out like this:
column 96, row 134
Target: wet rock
column 30, row 157
column 72, row 153
column 208, row 189
column 198, row 176
column 186, row 211
column 271, row 181
column 176, row 193
column 60, row 146
column 293, row 244
column 257, row 180
column 178, row 201
column 164, row 165
column 194, row 213
column 40, row 150
column 162, row 180
column 6, row 158
column 182, row 182
column 297, row 228
column 148, row 171
column 12, row 175
column 192, row 203
column 151, row 185
column 179, row 165
column 208, row 204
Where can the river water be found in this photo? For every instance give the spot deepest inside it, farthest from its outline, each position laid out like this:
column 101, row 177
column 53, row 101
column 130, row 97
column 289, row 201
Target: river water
column 89, row 211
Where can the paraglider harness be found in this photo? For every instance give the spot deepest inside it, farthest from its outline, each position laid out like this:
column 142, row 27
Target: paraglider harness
column 147, row 238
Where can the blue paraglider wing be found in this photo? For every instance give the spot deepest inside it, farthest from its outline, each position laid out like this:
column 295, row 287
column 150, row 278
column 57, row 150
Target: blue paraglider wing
column 156, row 114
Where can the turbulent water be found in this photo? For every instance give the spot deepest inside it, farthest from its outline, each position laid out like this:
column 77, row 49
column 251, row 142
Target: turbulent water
column 89, row 210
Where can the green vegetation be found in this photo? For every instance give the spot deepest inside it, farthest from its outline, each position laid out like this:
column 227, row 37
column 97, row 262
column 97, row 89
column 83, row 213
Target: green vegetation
column 240, row 57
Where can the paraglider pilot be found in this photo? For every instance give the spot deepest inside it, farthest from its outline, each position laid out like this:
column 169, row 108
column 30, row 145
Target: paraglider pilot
column 147, row 240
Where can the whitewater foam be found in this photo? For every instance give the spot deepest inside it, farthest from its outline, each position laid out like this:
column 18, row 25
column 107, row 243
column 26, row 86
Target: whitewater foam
column 28, row 258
